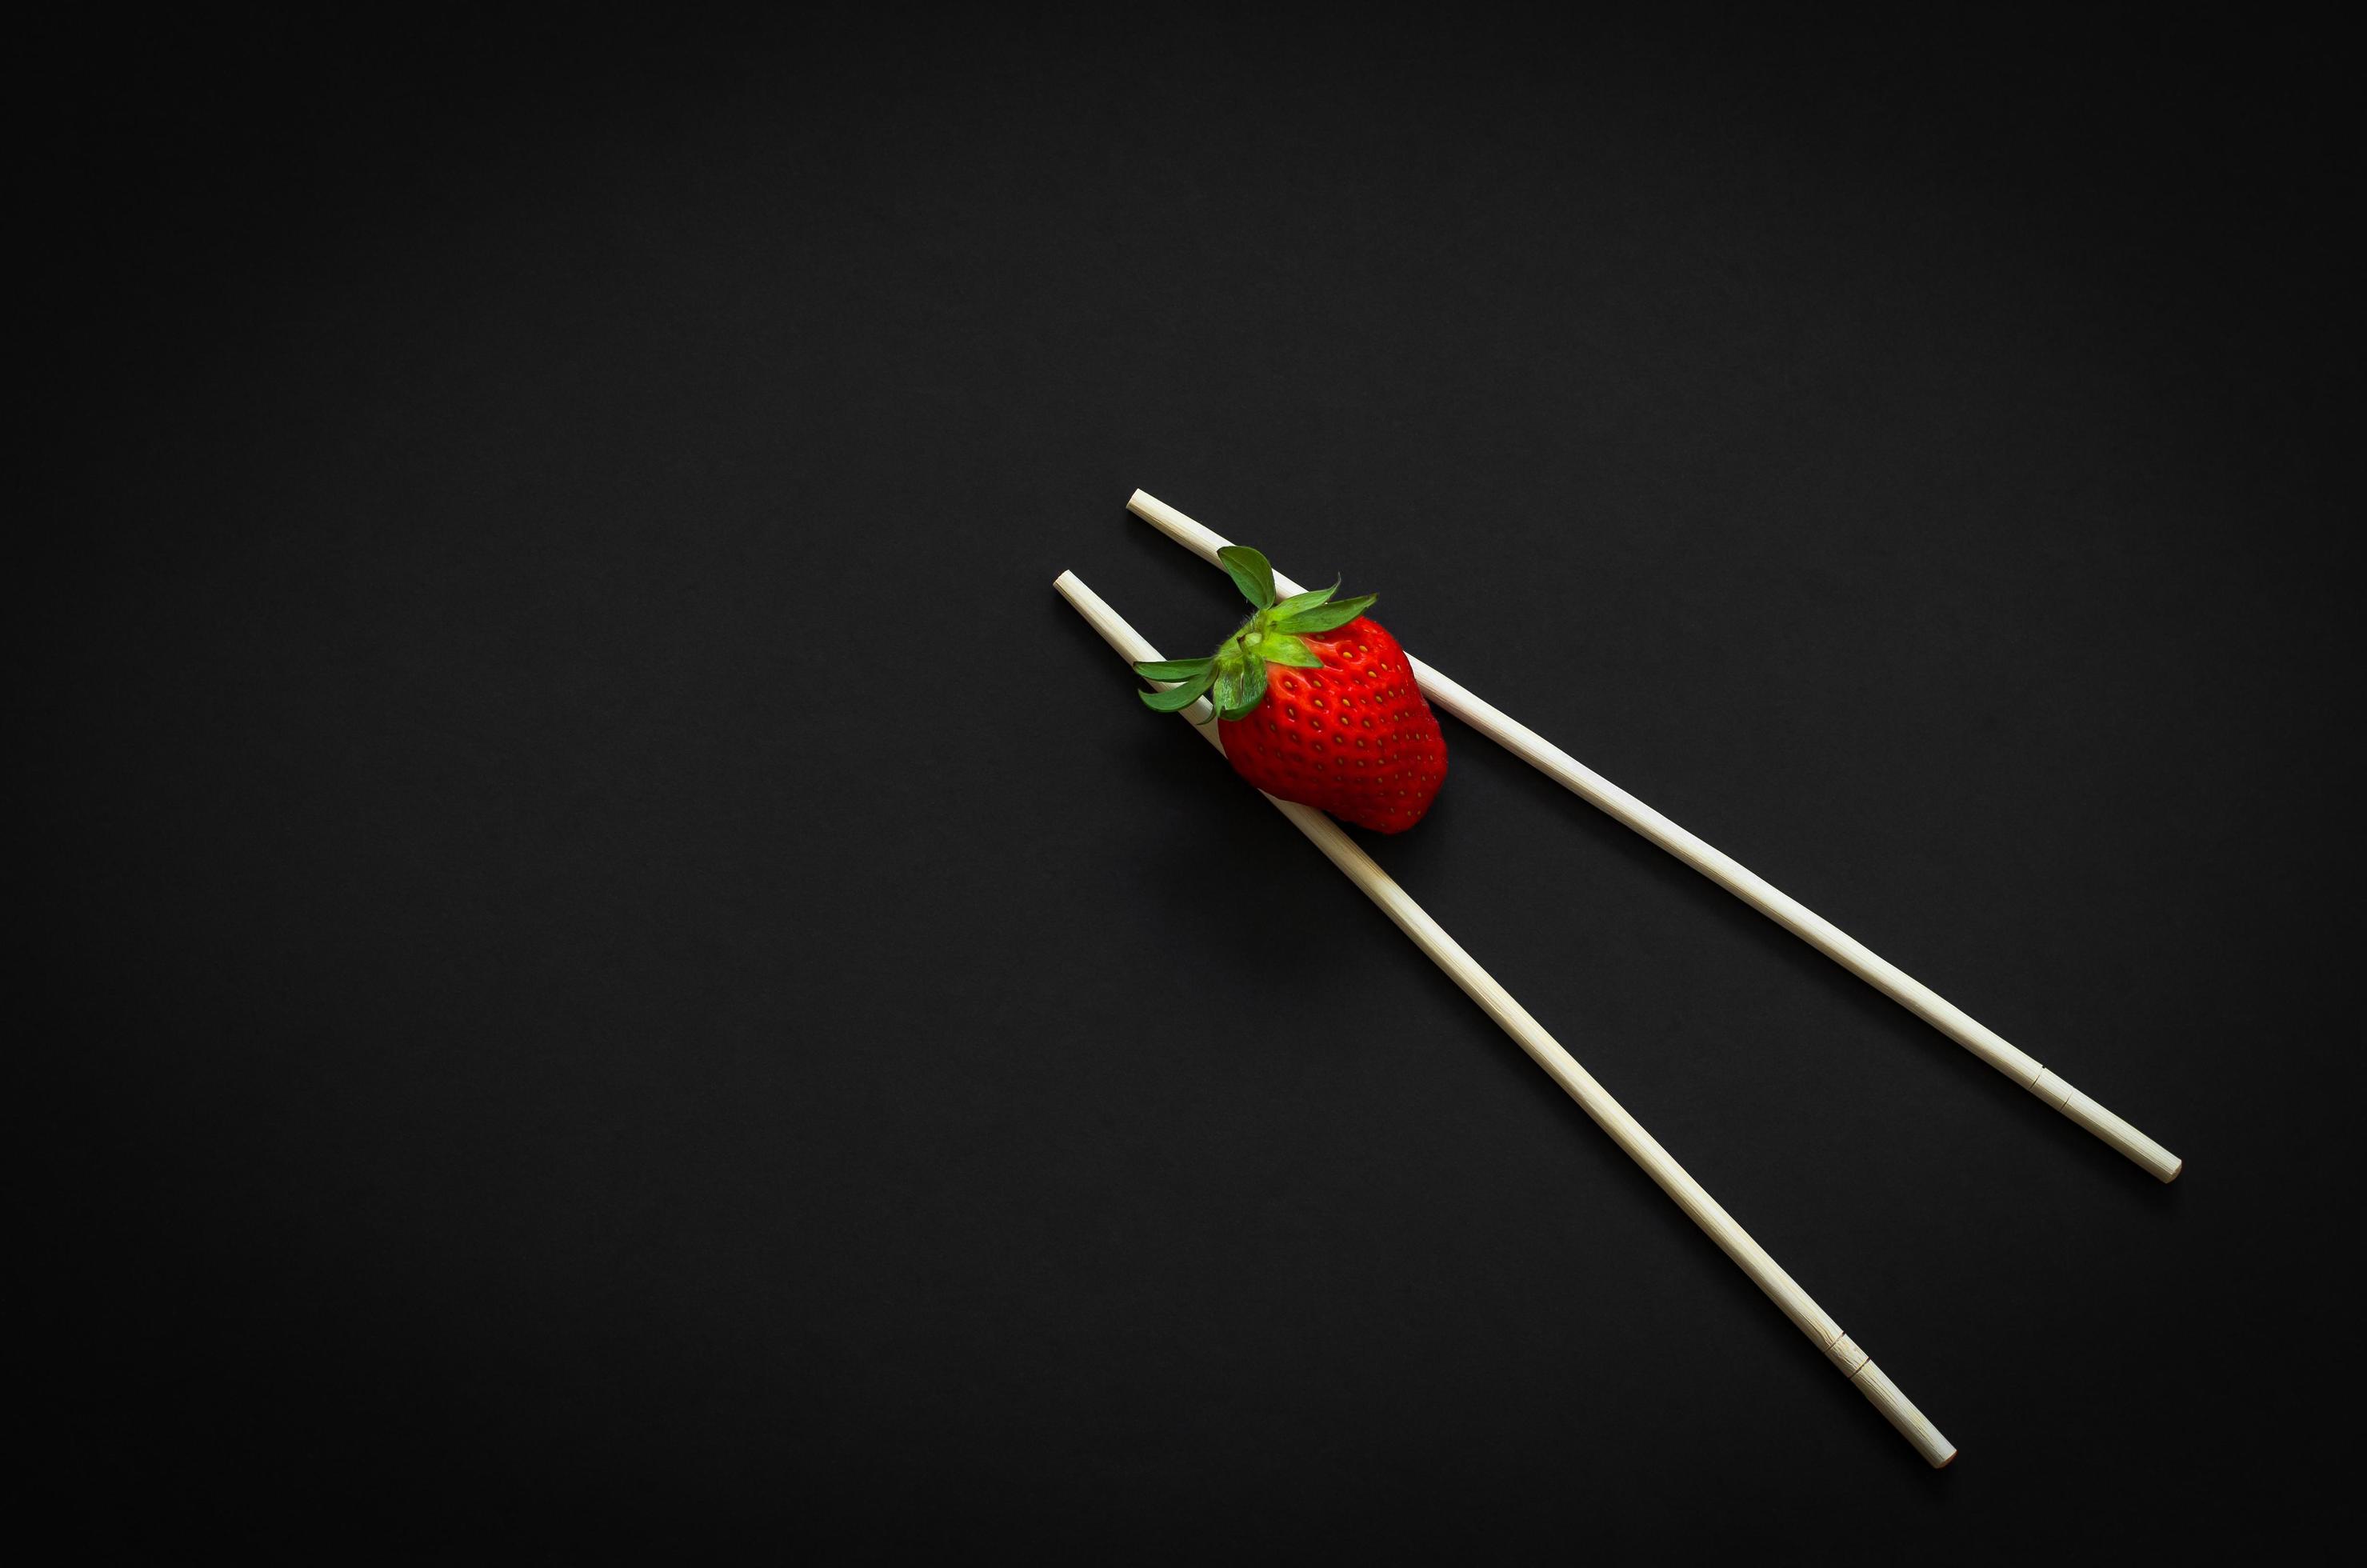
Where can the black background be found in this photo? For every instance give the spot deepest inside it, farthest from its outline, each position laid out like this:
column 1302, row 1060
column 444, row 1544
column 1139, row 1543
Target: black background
column 628, row 965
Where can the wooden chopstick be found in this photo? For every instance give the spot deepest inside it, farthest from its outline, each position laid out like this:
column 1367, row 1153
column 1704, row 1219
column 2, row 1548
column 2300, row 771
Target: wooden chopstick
column 1625, row 1130
column 1736, row 877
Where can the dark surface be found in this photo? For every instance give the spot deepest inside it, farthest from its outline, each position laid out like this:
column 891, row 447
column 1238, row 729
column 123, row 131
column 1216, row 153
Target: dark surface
column 629, row 965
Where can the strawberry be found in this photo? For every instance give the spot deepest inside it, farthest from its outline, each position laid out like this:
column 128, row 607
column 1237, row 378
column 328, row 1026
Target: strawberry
column 1316, row 702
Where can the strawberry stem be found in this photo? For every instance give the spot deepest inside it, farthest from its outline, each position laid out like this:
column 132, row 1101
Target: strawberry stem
column 1234, row 677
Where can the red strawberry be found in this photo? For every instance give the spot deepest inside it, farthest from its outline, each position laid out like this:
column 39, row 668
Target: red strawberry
column 1318, row 703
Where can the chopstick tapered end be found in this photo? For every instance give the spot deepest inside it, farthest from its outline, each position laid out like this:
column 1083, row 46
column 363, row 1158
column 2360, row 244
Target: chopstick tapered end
column 1201, row 542
column 2158, row 1162
column 1901, row 1412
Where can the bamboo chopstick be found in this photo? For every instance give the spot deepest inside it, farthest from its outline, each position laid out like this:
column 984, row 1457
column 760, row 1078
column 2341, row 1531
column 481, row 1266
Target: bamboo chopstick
column 1736, row 877
column 1625, row 1130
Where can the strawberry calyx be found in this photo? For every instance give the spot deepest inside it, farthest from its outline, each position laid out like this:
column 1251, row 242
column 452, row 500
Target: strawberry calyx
column 1234, row 679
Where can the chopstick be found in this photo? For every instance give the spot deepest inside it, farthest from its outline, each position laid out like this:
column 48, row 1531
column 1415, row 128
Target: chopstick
column 1625, row 1130
column 1736, row 877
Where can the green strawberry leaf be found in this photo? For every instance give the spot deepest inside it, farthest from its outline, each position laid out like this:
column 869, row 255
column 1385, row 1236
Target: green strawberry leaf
column 1308, row 601
column 1282, row 648
column 1172, row 669
column 1227, row 692
column 1249, row 574
column 1175, row 698
column 1326, row 617
column 1252, row 690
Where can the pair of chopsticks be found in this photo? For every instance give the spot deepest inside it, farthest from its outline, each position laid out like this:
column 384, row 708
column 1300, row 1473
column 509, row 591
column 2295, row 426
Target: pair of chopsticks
column 1597, row 1102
